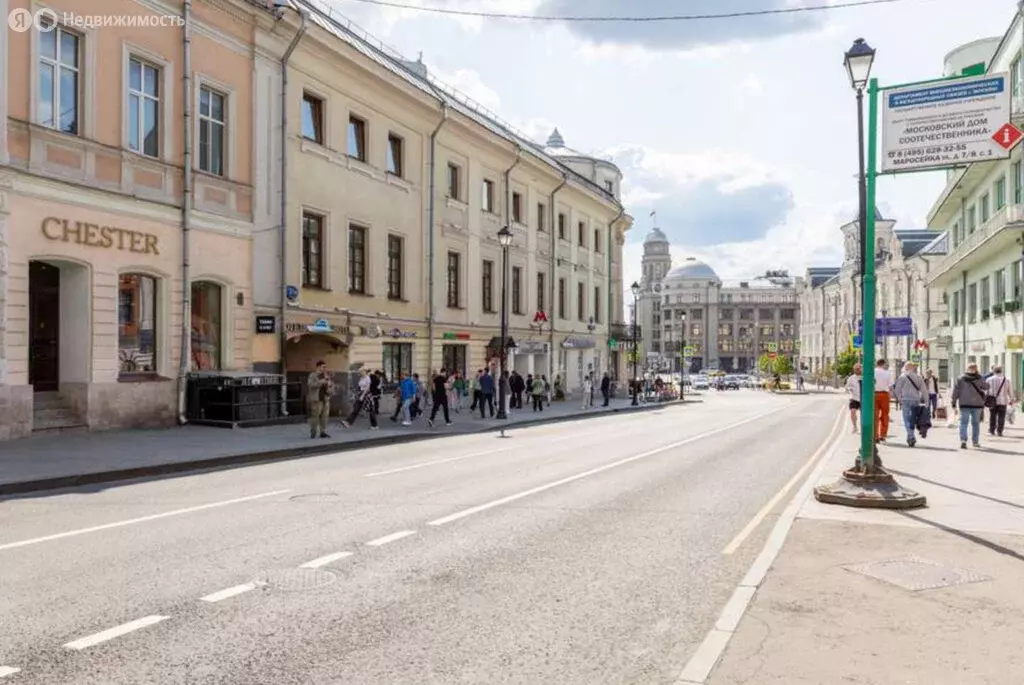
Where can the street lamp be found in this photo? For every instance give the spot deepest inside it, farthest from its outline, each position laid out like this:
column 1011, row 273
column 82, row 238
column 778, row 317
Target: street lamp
column 635, row 289
column 859, row 59
column 504, row 239
column 682, row 359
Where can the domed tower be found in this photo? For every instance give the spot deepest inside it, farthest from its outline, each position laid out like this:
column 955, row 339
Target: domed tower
column 602, row 172
column 656, row 262
column 690, row 316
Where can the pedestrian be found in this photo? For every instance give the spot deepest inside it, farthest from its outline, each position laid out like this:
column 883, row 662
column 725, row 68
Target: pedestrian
column 606, row 389
column 854, row 386
column 518, row 387
column 931, row 384
column 969, row 398
column 363, row 400
column 417, row 403
column 538, row 393
column 547, row 388
column 376, row 388
column 588, row 387
column 460, row 391
column 319, row 389
column 407, row 394
column 998, row 398
column 474, row 389
column 505, row 391
column 440, row 399
column 883, row 390
column 398, row 397
column 486, row 393
column 913, row 398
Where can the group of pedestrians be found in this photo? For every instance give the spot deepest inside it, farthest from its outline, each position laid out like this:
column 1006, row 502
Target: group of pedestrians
column 918, row 399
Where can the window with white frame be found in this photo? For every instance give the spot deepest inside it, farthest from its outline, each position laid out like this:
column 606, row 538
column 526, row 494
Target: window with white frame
column 212, row 122
column 57, row 104
column 143, row 107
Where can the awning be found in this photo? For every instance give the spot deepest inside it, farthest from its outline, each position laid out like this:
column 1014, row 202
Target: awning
column 495, row 343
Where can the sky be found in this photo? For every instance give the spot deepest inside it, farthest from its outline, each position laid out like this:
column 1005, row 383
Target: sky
column 740, row 133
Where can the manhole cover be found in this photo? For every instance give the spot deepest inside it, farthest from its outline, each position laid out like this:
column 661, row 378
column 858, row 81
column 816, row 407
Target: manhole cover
column 294, row 579
column 316, row 497
column 915, row 573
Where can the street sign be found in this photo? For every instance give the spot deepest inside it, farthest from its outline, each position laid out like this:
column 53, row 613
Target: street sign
column 689, row 350
column 773, row 347
column 1007, row 136
column 856, row 341
column 890, row 326
column 945, row 124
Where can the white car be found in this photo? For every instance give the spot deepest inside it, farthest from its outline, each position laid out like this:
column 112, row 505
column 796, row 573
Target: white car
column 701, row 383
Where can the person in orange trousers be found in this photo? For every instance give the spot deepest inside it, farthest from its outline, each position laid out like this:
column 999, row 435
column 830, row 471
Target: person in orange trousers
column 883, row 388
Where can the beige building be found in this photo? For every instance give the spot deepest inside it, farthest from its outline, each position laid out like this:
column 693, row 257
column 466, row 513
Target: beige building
column 108, row 155
column 396, row 188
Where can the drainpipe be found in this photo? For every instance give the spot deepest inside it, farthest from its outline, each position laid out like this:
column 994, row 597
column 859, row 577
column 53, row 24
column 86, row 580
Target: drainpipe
column 282, row 334
column 608, row 282
column 554, row 278
column 186, row 214
column 431, row 201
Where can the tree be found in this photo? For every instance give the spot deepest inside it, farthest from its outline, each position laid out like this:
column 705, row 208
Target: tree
column 845, row 362
column 781, row 365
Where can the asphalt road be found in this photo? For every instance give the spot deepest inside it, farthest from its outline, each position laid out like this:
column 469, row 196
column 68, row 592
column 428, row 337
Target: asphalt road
column 584, row 552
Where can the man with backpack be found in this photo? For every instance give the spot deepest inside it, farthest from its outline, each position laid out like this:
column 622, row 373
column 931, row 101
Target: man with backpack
column 969, row 395
column 999, row 397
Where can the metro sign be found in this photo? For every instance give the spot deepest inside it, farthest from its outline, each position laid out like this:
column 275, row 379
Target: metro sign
column 1007, row 136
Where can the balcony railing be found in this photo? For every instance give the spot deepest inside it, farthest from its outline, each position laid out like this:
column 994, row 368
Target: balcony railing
column 1010, row 214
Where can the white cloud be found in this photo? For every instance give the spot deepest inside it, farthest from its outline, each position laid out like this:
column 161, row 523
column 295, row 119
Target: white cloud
column 469, row 82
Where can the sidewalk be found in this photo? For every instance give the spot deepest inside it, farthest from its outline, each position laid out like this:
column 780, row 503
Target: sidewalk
column 930, row 596
column 46, row 462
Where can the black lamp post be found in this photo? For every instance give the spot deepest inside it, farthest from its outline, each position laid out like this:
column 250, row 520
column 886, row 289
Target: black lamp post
column 682, row 359
column 635, row 289
column 858, row 61
column 504, row 239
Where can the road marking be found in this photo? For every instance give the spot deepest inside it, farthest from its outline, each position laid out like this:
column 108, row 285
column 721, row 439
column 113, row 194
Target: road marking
column 227, row 593
column 643, row 455
column 391, row 538
column 141, row 519
column 774, row 501
column 8, row 670
column 704, row 660
column 324, row 560
column 117, row 631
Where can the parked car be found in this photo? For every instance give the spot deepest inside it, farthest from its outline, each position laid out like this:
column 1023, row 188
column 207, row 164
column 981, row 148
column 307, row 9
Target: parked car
column 701, row 383
column 732, row 382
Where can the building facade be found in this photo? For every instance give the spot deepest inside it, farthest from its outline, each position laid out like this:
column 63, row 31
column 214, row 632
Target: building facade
column 396, row 190
column 126, row 208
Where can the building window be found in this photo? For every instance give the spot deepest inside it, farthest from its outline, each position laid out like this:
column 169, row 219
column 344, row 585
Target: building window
column 597, row 240
column 396, row 166
column 1000, row 193
column 143, row 107
column 561, row 226
column 454, row 182
column 1000, row 282
column 561, row 299
column 356, row 138
column 746, row 315
column 312, row 250
column 765, row 314
column 725, row 330
column 986, row 295
column 726, row 314
column 312, row 118
column 984, row 208
column 768, row 331
column 955, row 232
column 487, row 200
column 58, row 77
column 597, row 305
column 517, row 290
column 356, row 259
column 972, row 303
column 453, row 358
column 541, row 214
column 487, row 285
column 727, row 345
column 453, row 280
column 517, row 208
column 1018, row 196
column 695, row 330
column 395, row 244
column 136, row 321
column 955, row 304
column 212, row 118
column 697, row 314
column 581, row 302
column 206, row 326
column 1015, row 279
column 609, row 186
column 397, row 358
column 790, row 314
column 581, row 234
column 1015, row 75
column 540, row 291
column 972, row 219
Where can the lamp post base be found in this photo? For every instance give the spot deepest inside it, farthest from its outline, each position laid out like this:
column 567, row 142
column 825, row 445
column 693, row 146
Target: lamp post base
column 875, row 490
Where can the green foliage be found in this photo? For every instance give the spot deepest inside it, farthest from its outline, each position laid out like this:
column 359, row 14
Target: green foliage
column 845, row 362
column 781, row 365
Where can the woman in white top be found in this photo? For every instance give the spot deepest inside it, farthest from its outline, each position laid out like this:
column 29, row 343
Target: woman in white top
column 853, row 384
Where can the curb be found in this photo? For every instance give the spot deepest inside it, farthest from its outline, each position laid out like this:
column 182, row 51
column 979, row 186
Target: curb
column 253, row 458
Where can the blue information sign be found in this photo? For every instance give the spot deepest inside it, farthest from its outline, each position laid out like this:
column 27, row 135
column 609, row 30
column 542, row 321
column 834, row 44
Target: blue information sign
column 890, row 326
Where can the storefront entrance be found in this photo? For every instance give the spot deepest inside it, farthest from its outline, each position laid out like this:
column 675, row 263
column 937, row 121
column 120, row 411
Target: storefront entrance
column 44, row 326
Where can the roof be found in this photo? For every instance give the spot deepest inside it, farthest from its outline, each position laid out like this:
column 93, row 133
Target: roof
column 323, row 15
column 692, row 269
column 938, row 246
column 655, row 235
column 913, row 241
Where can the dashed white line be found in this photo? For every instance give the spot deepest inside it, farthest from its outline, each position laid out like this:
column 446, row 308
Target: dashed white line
column 8, row 670
column 643, row 455
column 391, row 538
column 230, row 592
column 141, row 519
column 117, row 631
column 324, row 560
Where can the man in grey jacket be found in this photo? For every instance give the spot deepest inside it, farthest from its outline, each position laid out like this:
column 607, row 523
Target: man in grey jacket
column 969, row 395
column 912, row 395
column 999, row 387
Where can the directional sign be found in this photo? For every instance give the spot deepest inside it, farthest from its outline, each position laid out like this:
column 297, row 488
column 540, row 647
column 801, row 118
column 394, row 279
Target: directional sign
column 946, row 123
column 856, row 342
column 1007, row 136
column 890, row 326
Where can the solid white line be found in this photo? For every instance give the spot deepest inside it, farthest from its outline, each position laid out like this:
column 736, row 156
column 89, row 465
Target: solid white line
column 8, row 670
column 774, row 501
column 141, row 519
column 391, row 538
column 658, row 450
column 116, row 631
column 229, row 592
column 324, row 560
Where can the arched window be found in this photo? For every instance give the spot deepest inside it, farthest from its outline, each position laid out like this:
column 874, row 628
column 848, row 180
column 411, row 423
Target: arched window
column 207, row 331
column 136, row 324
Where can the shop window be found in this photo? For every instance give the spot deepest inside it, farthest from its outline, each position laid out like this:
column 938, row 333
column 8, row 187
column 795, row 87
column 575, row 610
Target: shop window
column 453, row 358
column 207, row 331
column 143, row 107
column 212, row 117
column 58, row 91
column 397, row 359
column 136, row 320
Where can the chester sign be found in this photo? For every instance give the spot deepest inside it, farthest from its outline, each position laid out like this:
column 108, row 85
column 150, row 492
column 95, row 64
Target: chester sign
column 94, row 235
